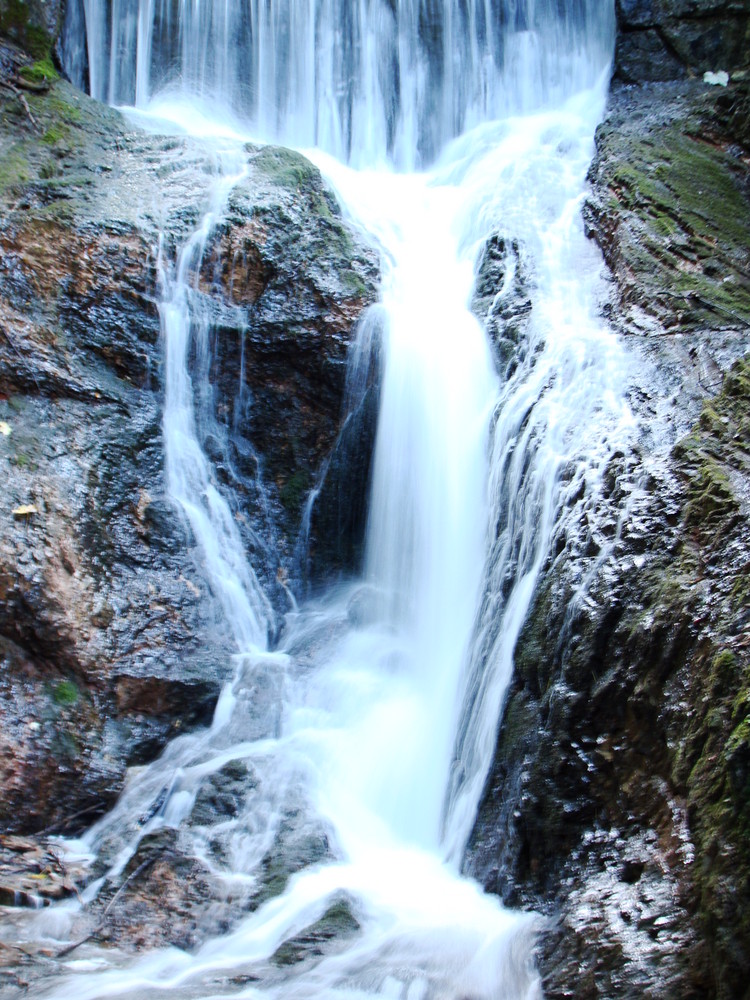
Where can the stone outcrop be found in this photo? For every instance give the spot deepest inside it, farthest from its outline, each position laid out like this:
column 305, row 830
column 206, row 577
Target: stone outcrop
column 109, row 638
column 619, row 798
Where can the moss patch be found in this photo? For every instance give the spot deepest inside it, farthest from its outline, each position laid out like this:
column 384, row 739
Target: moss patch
column 711, row 739
column 41, row 71
column 65, row 693
column 337, row 922
column 292, row 494
column 286, row 167
column 673, row 216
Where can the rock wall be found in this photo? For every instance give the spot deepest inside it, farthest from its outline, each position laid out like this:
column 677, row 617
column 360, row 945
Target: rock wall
column 110, row 641
column 619, row 799
column 661, row 40
column 34, row 25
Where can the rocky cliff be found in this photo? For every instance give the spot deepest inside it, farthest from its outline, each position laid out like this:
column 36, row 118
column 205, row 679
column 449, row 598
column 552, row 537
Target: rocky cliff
column 619, row 799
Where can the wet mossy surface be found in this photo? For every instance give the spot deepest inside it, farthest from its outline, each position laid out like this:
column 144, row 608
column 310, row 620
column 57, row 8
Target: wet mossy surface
column 337, row 923
column 672, row 209
column 32, row 24
column 623, row 746
column 617, row 803
column 708, row 745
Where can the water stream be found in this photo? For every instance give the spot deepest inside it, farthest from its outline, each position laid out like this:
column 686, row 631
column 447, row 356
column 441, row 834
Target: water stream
column 366, row 735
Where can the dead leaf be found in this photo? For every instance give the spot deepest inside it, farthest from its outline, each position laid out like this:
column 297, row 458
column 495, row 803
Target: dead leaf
column 5, row 429
column 25, row 510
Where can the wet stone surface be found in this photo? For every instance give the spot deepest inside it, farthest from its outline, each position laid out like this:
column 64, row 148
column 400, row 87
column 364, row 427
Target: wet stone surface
column 617, row 803
column 111, row 642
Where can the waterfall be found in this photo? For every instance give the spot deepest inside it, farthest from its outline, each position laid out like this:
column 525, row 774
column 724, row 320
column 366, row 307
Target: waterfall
column 441, row 124
column 366, row 80
column 189, row 477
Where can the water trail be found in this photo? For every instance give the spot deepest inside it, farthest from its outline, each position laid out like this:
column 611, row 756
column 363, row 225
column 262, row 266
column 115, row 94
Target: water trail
column 189, row 475
column 559, row 417
column 365, row 738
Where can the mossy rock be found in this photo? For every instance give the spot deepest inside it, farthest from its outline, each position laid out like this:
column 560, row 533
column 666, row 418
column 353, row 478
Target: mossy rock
column 338, row 922
column 41, row 72
column 32, row 24
column 65, row 693
column 286, row 167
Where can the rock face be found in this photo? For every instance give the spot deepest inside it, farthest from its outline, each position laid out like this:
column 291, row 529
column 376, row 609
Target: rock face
column 671, row 39
column 109, row 638
column 619, row 797
column 32, row 24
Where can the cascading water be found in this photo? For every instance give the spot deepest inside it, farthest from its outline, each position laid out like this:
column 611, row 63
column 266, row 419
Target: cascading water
column 371, row 726
column 367, row 80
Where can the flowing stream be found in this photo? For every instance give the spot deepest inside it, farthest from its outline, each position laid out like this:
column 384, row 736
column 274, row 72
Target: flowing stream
column 366, row 735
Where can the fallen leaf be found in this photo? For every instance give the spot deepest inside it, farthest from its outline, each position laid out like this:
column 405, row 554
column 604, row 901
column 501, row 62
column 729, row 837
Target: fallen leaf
column 25, row 510
column 5, row 429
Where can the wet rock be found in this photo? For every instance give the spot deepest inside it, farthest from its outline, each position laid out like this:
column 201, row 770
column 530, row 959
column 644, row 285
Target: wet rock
column 162, row 899
column 302, row 280
column 33, row 874
column 336, row 924
column 298, row 844
column 662, row 40
column 502, row 299
column 223, row 794
column 616, row 803
column 671, row 209
column 336, row 533
column 111, row 640
column 32, row 24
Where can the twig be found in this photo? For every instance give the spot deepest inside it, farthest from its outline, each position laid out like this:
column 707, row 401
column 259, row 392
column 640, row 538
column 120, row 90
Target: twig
column 100, row 926
column 89, row 809
column 21, row 97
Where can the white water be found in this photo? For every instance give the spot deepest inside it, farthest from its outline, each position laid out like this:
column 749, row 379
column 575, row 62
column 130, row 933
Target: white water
column 376, row 730
column 367, row 80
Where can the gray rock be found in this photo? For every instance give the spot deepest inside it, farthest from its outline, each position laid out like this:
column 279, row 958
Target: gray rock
column 661, row 40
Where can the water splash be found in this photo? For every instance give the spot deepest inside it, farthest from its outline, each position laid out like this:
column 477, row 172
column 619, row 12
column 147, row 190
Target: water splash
column 190, row 479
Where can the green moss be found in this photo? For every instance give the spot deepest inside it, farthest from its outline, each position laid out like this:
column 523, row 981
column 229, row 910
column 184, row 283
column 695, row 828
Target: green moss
column 286, row 167
column 337, row 922
column 41, row 71
column 65, row 693
column 294, row 491
column 712, row 495
column 55, row 134
column 48, row 170
column 740, row 738
column 21, row 460
column 711, row 758
column 710, row 420
column 714, row 448
column 15, row 170
column 58, row 108
column 353, row 284
column 689, row 240
column 710, row 733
